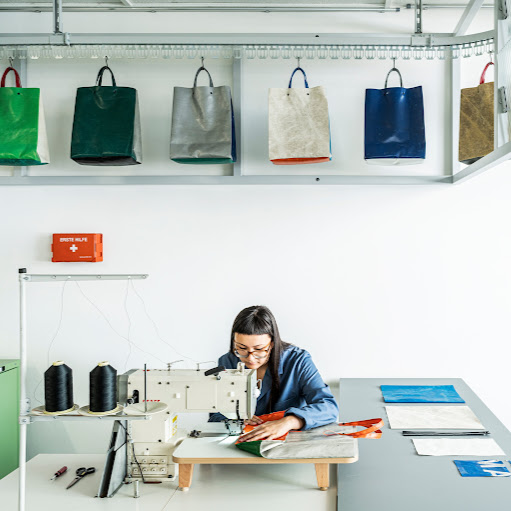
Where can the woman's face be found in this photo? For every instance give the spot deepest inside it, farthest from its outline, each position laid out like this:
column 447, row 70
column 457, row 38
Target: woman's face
column 250, row 345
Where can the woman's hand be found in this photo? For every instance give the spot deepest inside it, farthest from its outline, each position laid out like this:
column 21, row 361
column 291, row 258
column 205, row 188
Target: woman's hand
column 273, row 429
column 254, row 421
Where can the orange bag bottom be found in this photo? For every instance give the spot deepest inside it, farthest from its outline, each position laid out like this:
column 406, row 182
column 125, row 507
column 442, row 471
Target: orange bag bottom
column 299, row 161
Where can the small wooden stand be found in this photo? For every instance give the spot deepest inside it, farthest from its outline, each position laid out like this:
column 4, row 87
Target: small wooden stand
column 221, row 450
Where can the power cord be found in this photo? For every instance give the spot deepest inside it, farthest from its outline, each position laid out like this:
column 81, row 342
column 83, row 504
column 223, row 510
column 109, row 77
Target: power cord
column 136, row 460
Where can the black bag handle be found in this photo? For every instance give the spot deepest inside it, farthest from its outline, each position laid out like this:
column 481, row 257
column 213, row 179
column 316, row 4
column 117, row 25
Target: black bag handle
column 99, row 79
column 202, row 68
column 388, row 74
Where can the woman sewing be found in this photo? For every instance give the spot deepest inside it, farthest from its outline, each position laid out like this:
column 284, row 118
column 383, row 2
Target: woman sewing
column 287, row 377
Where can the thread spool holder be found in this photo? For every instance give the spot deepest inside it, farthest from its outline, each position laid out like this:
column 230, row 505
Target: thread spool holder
column 25, row 417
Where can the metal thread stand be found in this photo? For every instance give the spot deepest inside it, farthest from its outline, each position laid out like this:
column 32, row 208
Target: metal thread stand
column 25, row 417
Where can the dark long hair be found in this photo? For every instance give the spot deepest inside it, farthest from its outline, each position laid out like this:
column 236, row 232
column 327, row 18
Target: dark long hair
column 258, row 320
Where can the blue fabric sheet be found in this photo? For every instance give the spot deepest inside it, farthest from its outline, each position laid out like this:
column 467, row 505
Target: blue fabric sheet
column 482, row 468
column 420, row 394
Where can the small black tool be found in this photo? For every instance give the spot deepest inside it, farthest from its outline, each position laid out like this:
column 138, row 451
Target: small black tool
column 80, row 474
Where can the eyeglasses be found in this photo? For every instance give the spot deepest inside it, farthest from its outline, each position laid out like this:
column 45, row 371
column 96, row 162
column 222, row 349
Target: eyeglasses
column 257, row 354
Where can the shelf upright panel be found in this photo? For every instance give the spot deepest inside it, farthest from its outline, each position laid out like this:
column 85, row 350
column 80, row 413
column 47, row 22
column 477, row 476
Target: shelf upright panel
column 502, row 94
column 237, row 92
column 454, row 66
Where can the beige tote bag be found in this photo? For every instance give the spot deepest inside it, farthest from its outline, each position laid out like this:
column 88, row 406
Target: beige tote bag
column 298, row 125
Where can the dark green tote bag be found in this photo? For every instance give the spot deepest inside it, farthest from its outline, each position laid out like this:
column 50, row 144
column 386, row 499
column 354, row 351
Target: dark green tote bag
column 106, row 125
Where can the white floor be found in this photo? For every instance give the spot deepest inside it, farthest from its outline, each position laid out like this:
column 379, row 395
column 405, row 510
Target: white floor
column 214, row 487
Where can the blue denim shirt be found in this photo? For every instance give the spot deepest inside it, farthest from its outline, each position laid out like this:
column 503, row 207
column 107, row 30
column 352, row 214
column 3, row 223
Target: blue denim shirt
column 303, row 392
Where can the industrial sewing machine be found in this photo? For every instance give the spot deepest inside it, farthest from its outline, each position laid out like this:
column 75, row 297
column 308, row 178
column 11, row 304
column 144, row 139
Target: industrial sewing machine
column 142, row 449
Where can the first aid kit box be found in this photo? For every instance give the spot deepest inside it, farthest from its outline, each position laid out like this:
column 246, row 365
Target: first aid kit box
column 76, row 248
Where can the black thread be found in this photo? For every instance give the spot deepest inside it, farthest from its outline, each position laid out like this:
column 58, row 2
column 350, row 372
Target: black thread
column 103, row 388
column 58, row 388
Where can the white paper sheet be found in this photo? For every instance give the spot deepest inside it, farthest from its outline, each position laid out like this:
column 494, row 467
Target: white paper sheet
column 432, row 417
column 458, row 447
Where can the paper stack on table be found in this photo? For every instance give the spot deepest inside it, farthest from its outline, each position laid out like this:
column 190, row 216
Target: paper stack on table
column 457, row 447
column 432, row 417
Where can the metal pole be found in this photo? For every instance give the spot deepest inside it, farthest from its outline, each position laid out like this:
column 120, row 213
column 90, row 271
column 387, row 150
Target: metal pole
column 23, row 458
column 454, row 66
column 57, row 16
column 24, row 405
column 145, row 387
column 418, row 16
column 237, row 89
column 205, row 7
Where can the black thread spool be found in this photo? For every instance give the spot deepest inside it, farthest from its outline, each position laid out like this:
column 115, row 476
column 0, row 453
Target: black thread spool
column 58, row 388
column 103, row 388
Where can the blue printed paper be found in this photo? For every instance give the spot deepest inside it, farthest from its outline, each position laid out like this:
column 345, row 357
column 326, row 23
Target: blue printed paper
column 482, row 468
column 420, row 394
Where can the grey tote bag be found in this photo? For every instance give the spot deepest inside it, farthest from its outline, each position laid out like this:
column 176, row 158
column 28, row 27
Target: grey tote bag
column 202, row 124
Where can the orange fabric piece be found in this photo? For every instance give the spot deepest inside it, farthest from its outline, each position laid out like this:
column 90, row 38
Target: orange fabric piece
column 371, row 429
column 299, row 161
column 275, row 416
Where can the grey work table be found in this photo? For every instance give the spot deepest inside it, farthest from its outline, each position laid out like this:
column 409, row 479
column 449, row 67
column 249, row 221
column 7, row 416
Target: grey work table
column 391, row 476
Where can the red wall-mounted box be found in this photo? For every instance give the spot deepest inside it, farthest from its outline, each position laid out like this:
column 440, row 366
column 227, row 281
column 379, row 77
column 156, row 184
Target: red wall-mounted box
column 76, row 248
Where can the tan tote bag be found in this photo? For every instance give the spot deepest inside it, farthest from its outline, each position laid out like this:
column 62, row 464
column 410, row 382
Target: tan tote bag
column 298, row 125
column 476, row 121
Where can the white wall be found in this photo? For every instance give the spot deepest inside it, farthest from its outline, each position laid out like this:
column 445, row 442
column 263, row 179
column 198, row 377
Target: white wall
column 373, row 281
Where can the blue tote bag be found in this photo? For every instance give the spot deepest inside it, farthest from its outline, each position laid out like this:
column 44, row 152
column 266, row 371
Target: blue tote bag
column 394, row 125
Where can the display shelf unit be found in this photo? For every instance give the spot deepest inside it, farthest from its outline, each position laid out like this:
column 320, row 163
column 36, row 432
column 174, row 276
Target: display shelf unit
column 242, row 47
column 26, row 417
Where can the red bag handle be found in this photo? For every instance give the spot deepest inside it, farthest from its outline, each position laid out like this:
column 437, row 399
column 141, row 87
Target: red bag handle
column 481, row 81
column 4, row 76
column 372, row 429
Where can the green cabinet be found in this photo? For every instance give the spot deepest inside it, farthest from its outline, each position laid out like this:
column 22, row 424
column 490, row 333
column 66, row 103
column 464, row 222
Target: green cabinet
column 9, row 411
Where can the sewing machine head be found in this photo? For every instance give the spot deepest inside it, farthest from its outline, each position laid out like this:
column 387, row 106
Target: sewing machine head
column 231, row 392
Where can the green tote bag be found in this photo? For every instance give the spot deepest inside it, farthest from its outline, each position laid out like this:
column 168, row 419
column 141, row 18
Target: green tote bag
column 106, row 125
column 23, row 139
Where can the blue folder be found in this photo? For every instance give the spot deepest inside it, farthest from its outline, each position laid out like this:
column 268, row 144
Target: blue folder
column 420, row 394
column 482, row 468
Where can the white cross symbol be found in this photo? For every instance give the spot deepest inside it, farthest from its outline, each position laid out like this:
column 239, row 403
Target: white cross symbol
column 73, row 247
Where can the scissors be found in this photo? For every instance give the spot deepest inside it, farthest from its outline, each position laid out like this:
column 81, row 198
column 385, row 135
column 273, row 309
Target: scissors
column 80, row 474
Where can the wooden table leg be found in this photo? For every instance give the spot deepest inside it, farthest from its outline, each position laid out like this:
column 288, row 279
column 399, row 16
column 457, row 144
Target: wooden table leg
column 322, row 474
column 185, row 476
